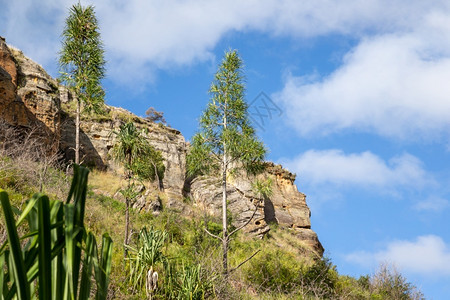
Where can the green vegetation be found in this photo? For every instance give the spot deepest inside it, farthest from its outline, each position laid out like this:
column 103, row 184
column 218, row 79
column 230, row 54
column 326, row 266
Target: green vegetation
column 188, row 260
column 226, row 140
column 82, row 63
column 140, row 161
column 55, row 247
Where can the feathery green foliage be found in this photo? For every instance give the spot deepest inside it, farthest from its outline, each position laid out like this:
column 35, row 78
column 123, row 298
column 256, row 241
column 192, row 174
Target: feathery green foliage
column 225, row 128
column 81, row 60
column 263, row 188
column 55, row 245
column 82, row 63
column 136, row 154
column 226, row 141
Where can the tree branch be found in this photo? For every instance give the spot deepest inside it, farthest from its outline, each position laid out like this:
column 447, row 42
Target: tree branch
column 245, row 224
column 213, row 235
column 238, row 266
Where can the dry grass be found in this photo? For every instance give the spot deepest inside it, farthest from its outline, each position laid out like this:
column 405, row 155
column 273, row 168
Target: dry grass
column 284, row 238
column 106, row 183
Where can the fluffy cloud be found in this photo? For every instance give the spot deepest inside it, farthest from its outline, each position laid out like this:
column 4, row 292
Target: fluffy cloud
column 394, row 85
column 160, row 34
column 179, row 32
column 427, row 255
column 333, row 167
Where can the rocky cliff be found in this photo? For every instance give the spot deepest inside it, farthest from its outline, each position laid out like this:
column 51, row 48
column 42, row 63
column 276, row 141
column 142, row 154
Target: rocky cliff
column 30, row 98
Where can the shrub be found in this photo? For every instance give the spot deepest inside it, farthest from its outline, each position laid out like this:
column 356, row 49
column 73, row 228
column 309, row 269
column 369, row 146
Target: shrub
column 145, row 255
column 273, row 270
column 388, row 283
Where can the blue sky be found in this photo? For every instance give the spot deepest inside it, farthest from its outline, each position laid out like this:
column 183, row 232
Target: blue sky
column 362, row 87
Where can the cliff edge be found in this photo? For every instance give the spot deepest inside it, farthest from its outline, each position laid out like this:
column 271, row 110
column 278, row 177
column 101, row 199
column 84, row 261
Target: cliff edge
column 30, row 98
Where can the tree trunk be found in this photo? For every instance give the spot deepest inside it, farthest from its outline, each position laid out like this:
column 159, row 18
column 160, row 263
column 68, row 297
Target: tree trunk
column 224, row 203
column 127, row 225
column 77, row 133
column 157, row 176
column 224, row 222
column 127, row 209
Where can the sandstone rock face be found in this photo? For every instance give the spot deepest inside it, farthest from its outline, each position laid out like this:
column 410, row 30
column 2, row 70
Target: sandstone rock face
column 98, row 137
column 285, row 207
column 7, row 62
column 7, row 90
column 29, row 97
column 207, row 194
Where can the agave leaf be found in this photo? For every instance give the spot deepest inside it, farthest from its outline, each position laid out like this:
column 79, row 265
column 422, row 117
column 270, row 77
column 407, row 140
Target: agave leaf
column 45, row 253
column 27, row 210
column 78, row 192
column 90, row 253
column 17, row 264
column 57, row 215
column 3, row 285
column 104, row 268
column 69, row 212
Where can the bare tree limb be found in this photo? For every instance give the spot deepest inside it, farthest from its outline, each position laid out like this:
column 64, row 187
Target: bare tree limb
column 238, row 266
column 246, row 223
column 213, row 235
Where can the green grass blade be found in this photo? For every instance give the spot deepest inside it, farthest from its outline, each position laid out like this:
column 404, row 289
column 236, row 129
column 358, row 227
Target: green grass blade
column 89, row 255
column 104, row 269
column 2, row 275
column 69, row 212
column 57, row 215
column 17, row 263
column 45, row 253
column 27, row 210
column 78, row 192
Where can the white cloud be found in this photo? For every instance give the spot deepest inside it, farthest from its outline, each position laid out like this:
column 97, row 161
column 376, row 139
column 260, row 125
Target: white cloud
column 333, row 167
column 162, row 34
column 433, row 204
column 391, row 84
column 427, row 255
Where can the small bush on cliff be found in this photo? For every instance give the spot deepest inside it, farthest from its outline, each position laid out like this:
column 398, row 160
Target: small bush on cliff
column 388, row 283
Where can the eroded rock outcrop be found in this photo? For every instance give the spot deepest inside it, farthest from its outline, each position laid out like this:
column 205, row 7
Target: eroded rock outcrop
column 29, row 97
column 286, row 206
column 98, row 138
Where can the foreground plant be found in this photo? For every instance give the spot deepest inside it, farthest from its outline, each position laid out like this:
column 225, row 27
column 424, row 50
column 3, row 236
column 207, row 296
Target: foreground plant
column 55, row 248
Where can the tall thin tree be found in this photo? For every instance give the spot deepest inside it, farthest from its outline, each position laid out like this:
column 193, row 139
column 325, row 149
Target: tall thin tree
column 140, row 160
column 82, row 63
column 226, row 141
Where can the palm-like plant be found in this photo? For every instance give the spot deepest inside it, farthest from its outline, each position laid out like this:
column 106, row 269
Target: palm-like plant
column 136, row 154
column 130, row 146
column 146, row 254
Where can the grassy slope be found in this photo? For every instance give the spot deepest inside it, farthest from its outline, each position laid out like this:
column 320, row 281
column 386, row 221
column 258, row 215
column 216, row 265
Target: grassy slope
column 279, row 271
